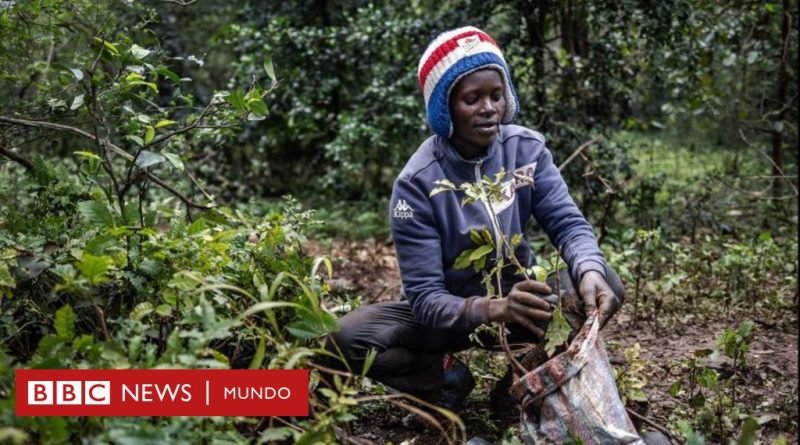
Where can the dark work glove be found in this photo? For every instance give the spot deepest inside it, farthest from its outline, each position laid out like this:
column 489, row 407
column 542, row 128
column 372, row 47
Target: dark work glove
column 597, row 295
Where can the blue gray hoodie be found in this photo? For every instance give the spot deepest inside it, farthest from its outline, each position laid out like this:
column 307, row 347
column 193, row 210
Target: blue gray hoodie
column 430, row 232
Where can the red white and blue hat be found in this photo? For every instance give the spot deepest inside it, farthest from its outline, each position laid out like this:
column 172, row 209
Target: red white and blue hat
column 451, row 56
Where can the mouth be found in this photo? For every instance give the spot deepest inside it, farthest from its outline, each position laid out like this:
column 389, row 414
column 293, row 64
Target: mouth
column 487, row 128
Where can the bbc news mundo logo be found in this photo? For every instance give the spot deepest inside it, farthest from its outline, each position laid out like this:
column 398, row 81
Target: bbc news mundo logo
column 162, row 392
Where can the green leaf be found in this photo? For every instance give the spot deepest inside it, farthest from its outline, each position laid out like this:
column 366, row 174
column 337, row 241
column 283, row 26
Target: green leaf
column 697, row 401
column 748, row 434
column 165, row 123
column 94, row 268
column 305, row 329
column 52, row 429
column 480, row 252
column 445, row 183
column 269, row 69
column 475, row 236
column 134, row 77
column 6, row 280
column 368, row 361
column 276, row 434
column 487, row 236
column 297, row 356
column 164, row 310
column 479, row 264
column 87, row 154
column 445, row 186
column 267, row 306
column 169, row 74
column 141, row 310
column 108, row 45
column 148, row 159
column 539, row 273
column 745, row 329
column 322, row 261
column 149, row 134
column 236, row 99
column 692, row 437
column 78, row 74
column 780, row 440
column 95, row 212
column 709, row 379
column 175, row 160
column 130, row 216
column 257, row 106
column 463, row 261
column 345, row 417
column 65, row 322
column 675, row 388
column 77, row 102
column 136, row 139
column 438, row 190
column 258, row 358
column 139, row 52
column 197, row 226
column 557, row 332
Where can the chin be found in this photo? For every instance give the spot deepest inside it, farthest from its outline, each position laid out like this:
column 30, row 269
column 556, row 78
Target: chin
column 485, row 141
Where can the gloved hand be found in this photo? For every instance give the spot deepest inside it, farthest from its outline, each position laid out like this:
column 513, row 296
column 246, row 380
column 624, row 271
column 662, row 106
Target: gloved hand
column 523, row 306
column 597, row 295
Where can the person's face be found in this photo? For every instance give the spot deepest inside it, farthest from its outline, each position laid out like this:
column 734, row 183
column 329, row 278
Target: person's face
column 477, row 105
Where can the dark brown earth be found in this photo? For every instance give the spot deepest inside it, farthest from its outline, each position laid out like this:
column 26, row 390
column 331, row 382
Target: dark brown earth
column 767, row 387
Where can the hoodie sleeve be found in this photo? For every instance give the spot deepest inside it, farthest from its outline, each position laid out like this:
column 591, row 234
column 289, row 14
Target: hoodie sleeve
column 563, row 222
column 419, row 255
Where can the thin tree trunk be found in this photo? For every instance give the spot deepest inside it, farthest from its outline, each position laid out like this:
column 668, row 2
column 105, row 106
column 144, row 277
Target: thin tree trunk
column 777, row 136
column 535, row 16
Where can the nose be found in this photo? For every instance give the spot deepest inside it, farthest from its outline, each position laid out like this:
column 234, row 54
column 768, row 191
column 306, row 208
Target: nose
column 487, row 107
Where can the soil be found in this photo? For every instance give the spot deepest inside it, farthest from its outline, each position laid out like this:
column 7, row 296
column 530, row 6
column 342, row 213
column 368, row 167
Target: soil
column 767, row 386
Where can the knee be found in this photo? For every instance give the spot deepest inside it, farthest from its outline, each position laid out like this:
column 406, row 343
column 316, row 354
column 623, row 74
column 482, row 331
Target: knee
column 352, row 341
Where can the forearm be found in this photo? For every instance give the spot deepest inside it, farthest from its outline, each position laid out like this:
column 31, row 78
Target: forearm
column 450, row 312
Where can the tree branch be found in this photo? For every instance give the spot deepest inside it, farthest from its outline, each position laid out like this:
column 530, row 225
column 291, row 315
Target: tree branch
column 191, row 126
column 578, row 151
column 16, row 158
column 651, row 423
column 777, row 168
column 108, row 144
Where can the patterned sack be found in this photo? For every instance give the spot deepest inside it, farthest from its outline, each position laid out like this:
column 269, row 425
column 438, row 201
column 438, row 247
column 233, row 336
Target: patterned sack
column 573, row 397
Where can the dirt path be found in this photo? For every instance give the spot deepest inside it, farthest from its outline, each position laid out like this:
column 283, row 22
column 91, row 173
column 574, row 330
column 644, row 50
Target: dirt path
column 768, row 388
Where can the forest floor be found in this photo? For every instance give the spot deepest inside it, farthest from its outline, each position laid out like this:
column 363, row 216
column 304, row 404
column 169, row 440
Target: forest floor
column 767, row 387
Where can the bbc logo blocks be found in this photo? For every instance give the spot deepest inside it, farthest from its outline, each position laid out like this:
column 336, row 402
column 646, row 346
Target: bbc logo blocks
column 69, row 392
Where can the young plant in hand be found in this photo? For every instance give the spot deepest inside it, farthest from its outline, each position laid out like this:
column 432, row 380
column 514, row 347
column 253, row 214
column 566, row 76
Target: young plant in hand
column 522, row 304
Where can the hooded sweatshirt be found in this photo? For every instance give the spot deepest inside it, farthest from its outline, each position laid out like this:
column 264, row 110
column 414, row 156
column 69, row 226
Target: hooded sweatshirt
column 431, row 231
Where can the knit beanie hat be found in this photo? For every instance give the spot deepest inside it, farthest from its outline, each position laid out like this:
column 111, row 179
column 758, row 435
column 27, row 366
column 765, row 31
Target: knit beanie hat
column 451, row 56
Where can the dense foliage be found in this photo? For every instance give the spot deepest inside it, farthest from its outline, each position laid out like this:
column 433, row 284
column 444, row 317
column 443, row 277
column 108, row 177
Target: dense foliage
column 143, row 146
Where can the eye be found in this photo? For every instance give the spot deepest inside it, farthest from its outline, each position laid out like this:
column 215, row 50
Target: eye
column 497, row 96
column 471, row 99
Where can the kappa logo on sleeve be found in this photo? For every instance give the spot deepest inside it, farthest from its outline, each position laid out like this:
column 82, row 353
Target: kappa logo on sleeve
column 402, row 210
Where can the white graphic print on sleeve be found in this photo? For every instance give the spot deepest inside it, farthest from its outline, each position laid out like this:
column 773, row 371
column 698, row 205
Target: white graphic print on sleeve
column 402, row 210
